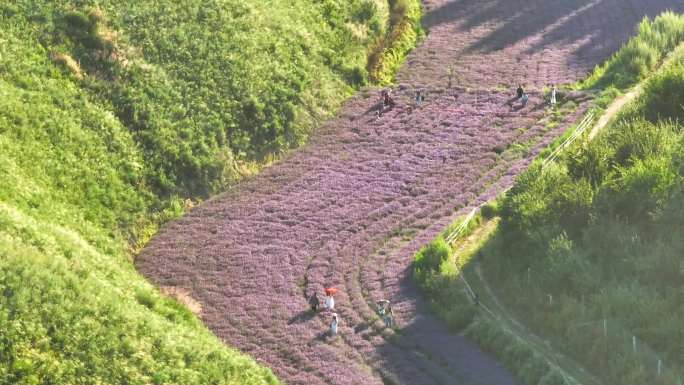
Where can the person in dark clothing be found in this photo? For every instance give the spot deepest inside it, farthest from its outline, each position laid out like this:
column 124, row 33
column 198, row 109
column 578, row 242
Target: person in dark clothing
column 419, row 97
column 387, row 100
column 520, row 92
column 314, row 302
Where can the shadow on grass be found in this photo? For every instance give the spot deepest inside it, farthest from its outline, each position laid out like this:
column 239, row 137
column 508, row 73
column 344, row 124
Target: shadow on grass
column 302, row 317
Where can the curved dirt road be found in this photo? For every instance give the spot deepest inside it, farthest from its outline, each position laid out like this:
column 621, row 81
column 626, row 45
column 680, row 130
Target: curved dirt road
column 352, row 207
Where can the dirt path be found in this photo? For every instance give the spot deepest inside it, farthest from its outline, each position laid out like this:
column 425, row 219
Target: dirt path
column 351, row 208
column 613, row 109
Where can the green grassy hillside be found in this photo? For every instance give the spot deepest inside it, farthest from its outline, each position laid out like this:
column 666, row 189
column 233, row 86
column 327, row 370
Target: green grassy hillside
column 598, row 237
column 112, row 114
column 588, row 252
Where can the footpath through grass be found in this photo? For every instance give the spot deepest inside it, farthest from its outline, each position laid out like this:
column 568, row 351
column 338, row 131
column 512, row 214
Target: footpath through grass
column 587, row 254
column 114, row 117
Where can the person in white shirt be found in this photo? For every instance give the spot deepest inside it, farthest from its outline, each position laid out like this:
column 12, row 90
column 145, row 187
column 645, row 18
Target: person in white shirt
column 333, row 325
column 329, row 302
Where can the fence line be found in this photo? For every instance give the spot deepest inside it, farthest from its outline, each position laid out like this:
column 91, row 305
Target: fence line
column 583, row 126
column 619, row 338
column 461, row 228
column 552, row 360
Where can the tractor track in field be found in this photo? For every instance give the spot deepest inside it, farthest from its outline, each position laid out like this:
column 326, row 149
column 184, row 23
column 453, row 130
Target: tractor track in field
column 353, row 206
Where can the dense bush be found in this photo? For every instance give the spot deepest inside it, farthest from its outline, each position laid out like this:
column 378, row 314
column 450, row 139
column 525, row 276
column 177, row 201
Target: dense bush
column 664, row 99
column 436, row 274
column 430, row 258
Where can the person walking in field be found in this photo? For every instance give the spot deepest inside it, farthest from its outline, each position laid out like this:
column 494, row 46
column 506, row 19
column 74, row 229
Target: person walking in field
column 419, row 98
column 388, row 318
column 386, row 313
column 333, row 325
column 520, row 92
column 314, row 302
column 553, row 95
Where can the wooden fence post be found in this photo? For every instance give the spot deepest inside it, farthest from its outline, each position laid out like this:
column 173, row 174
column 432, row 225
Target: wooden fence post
column 605, row 328
column 634, row 343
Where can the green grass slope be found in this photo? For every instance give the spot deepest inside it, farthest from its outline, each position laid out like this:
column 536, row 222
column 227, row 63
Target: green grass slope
column 112, row 113
column 199, row 84
column 588, row 252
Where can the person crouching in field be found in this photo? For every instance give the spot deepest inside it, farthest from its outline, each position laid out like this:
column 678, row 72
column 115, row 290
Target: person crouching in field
column 386, row 100
column 333, row 325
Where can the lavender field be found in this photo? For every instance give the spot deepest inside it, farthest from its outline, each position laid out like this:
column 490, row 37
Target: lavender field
column 351, row 208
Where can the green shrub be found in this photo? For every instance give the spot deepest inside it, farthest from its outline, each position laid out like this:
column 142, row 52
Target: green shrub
column 592, row 164
column 490, row 210
column 146, row 298
column 663, row 99
column 637, row 139
column 641, row 191
column 431, row 257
